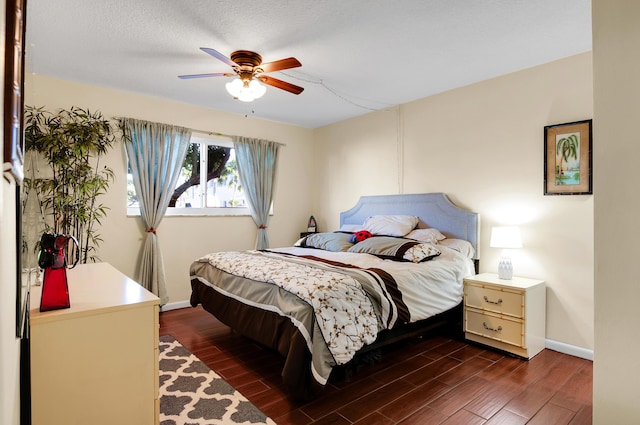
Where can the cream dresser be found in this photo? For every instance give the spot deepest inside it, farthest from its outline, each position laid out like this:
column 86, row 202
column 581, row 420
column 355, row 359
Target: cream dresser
column 505, row 314
column 96, row 362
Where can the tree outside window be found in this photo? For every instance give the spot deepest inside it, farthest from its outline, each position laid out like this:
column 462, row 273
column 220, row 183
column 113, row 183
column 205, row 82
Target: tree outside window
column 208, row 181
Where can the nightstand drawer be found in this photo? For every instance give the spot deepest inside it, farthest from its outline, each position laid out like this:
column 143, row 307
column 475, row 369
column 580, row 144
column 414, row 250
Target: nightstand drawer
column 494, row 299
column 494, row 327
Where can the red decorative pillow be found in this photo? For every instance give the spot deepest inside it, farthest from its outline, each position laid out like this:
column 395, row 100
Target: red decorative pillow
column 360, row 236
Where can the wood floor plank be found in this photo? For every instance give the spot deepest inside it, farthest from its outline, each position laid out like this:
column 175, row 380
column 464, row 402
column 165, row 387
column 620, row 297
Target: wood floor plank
column 577, row 391
column 432, row 370
column 501, row 368
column 382, row 396
column 325, row 404
column 401, row 368
column 468, row 368
column 463, row 417
column 253, row 388
column 551, row 414
column 332, row 419
column 531, row 370
column 374, row 419
column 467, row 352
column 424, row 416
column 528, row 402
column 415, row 399
column 294, row 417
column 489, row 402
column 584, row 416
column 459, row 396
column 559, row 373
column 445, row 349
column 505, row 417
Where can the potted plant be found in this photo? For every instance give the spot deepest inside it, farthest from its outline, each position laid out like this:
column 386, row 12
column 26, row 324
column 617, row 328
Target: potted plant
column 71, row 142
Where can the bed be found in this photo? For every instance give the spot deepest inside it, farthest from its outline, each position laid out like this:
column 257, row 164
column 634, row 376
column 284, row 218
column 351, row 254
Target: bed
column 333, row 297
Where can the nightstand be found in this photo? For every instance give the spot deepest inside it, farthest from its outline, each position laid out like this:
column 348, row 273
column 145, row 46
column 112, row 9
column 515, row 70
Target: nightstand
column 505, row 314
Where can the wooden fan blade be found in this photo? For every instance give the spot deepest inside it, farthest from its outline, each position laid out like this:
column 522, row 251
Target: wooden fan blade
column 219, row 56
column 280, row 65
column 215, row 74
column 283, row 85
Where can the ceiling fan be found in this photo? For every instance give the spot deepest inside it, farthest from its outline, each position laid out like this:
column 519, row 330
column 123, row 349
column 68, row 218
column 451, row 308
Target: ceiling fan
column 249, row 69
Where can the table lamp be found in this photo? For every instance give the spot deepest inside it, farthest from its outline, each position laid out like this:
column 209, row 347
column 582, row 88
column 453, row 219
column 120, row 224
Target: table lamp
column 505, row 237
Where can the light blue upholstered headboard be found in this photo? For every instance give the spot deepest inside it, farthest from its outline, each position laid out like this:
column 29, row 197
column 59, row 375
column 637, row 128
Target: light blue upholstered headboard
column 434, row 210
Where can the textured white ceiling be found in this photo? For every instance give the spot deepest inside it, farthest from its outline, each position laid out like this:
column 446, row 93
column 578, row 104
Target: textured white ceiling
column 357, row 55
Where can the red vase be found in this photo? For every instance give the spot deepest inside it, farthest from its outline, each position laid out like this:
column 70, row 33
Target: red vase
column 55, row 291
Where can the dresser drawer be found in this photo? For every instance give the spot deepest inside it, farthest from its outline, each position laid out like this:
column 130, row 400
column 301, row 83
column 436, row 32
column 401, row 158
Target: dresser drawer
column 495, row 299
column 494, row 327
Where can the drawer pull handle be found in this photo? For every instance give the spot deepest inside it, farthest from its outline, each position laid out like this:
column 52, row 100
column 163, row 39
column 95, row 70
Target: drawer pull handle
column 489, row 328
column 493, row 302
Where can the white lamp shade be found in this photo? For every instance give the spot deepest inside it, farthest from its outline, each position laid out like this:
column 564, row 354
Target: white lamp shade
column 245, row 91
column 257, row 89
column 506, row 237
column 234, row 87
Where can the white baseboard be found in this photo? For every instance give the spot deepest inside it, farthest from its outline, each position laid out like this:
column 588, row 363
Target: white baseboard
column 175, row 306
column 572, row 350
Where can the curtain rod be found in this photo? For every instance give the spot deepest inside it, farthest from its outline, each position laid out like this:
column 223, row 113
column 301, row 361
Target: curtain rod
column 209, row 132
column 213, row 133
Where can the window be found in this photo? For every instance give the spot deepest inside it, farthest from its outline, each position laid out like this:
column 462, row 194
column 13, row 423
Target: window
column 209, row 183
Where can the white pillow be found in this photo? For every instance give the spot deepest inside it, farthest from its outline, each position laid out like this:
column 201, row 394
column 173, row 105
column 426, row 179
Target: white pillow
column 351, row 228
column 426, row 235
column 390, row 225
column 459, row 245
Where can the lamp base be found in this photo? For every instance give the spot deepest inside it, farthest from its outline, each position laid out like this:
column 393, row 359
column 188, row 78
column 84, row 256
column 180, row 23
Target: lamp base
column 505, row 268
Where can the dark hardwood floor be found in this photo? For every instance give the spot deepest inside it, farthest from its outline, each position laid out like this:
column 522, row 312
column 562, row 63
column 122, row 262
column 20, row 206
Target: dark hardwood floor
column 435, row 380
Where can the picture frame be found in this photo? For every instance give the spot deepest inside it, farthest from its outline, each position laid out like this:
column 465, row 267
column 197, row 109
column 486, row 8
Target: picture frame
column 13, row 146
column 568, row 166
column 13, row 140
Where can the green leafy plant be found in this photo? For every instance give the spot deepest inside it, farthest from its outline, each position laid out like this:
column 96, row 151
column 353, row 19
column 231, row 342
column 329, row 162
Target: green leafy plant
column 567, row 147
column 72, row 143
column 230, row 177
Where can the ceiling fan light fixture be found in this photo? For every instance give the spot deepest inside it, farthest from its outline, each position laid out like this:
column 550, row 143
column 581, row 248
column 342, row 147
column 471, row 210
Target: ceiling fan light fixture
column 246, row 90
column 248, row 66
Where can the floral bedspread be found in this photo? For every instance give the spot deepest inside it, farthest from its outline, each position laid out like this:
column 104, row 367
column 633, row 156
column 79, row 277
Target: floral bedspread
column 341, row 298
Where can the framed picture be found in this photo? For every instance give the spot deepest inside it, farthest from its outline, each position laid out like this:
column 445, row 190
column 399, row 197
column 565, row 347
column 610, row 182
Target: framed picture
column 13, row 138
column 567, row 159
column 13, row 90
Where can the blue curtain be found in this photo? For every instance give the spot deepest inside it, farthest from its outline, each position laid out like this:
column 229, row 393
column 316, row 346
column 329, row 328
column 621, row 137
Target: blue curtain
column 257, row 163
column 156, row 153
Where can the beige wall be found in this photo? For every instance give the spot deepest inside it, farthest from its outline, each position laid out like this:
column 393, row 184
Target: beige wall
column 616, row 37
column 482, row 145
column 184, row 239
column 9, row 344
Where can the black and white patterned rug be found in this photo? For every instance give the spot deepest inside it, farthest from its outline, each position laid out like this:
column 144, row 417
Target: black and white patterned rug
column 192, row 394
